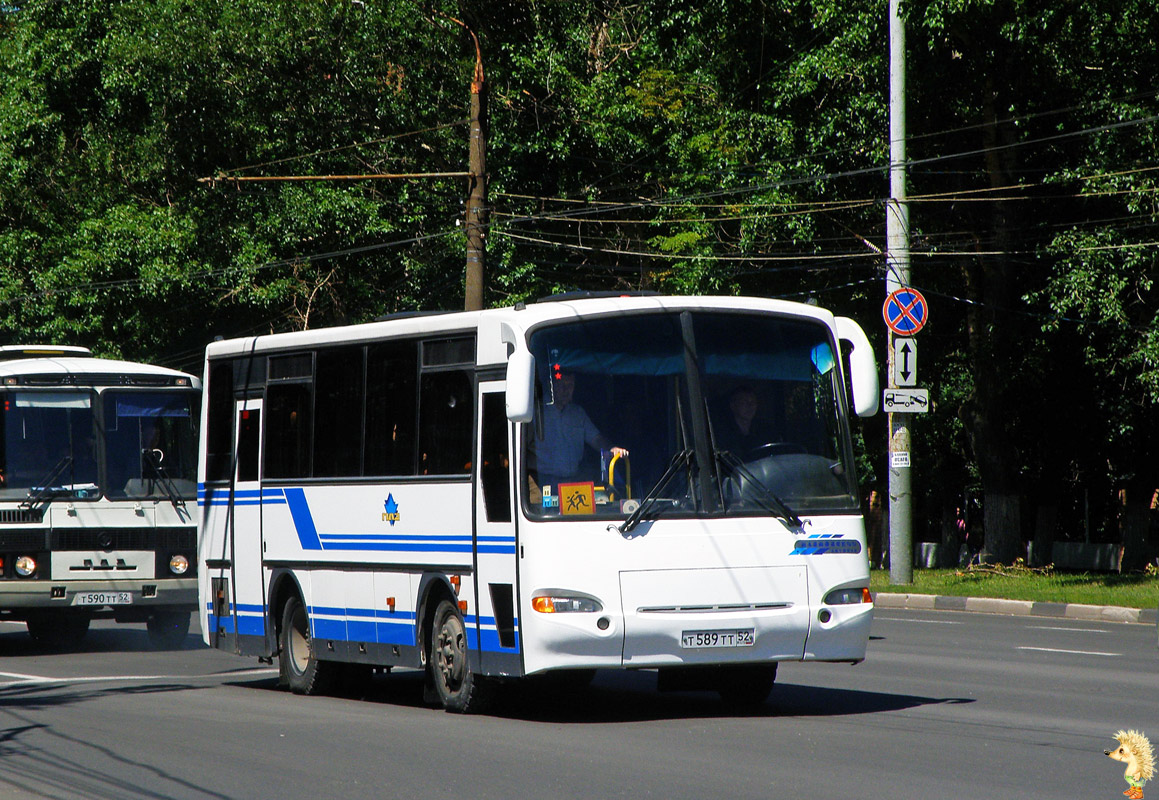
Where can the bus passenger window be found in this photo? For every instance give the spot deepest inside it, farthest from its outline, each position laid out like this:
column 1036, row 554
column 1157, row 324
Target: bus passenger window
column 445, row 423
column 391, row 408
column 288, row 431
column 219, row 422
column 338, row 413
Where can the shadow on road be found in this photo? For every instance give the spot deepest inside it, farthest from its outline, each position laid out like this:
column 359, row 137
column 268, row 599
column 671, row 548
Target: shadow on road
column 633, row 697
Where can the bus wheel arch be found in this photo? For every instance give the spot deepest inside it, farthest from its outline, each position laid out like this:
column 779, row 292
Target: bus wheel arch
column 451, row 679
column 299, row 668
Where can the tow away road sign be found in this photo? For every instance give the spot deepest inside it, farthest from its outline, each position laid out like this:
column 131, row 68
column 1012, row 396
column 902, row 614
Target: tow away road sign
column 905, row 361
column 906, row 401
column 905, row 311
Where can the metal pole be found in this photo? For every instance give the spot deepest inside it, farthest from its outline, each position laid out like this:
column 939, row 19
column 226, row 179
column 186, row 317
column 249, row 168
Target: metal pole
column 897, row 261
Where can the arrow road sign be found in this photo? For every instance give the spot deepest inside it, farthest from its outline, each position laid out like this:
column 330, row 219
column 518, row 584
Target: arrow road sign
column 905, row 362
column 907, row 401
column 905, row 311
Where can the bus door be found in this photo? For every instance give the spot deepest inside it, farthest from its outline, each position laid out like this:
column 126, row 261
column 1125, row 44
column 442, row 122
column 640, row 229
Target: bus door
column 237, row 594
column 495, row 539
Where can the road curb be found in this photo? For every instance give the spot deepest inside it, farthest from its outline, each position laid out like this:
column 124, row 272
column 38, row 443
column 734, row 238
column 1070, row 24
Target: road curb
column 1020, row 608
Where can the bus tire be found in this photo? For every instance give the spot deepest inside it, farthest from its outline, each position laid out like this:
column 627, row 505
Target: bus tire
column 747, row 685
column 167, row 629
column 298, row 669
column 458, row 687
column 57, row 629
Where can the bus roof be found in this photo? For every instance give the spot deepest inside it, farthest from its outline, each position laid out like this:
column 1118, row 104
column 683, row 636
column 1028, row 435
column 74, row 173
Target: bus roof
column 67, row 365
column 519, row 318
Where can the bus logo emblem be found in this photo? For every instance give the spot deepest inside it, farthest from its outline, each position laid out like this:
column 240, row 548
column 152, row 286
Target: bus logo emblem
column 391, row 514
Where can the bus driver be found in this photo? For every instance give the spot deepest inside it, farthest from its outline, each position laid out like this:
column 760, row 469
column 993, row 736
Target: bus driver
column 566, row 429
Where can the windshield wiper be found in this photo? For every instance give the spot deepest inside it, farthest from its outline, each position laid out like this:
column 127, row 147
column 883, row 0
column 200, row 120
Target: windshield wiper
column 44, row 489
column 765, row 496
column 681, row 459
column 151, row 458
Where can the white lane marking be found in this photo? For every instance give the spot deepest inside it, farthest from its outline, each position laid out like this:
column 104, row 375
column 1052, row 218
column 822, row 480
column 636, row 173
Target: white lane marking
column 1060, row 628
column 20, row 677
column 1069, row 652
column 927, row 621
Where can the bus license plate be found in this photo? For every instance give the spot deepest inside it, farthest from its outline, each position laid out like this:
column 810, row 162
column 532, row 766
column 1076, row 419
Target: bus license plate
column 102, row 599
column 744, row 637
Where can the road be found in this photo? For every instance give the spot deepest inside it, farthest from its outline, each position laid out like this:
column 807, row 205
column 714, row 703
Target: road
column 947, row 705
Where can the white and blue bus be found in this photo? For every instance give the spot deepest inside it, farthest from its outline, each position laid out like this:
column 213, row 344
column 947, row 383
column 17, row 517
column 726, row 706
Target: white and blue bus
column 98, row 468
column 397, row 494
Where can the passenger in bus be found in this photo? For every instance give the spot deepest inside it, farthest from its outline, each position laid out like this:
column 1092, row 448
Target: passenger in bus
column 566, row 429
column 742, row 431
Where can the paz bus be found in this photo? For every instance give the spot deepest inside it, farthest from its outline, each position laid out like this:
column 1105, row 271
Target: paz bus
column 98, row 467
column 386, row 495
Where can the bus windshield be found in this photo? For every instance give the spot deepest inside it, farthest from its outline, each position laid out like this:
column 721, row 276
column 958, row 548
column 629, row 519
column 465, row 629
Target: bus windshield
column 51, row 444
column 720, row 413
column 150, row 444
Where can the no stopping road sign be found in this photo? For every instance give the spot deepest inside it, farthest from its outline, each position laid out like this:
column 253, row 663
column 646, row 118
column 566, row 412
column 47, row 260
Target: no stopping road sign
column 905, row 311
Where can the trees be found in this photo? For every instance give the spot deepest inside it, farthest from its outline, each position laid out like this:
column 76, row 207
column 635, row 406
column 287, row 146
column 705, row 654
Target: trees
column 727, row 146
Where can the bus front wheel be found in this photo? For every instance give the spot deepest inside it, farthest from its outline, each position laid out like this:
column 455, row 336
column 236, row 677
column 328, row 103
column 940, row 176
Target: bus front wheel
column 458, row 687
column 298, row 668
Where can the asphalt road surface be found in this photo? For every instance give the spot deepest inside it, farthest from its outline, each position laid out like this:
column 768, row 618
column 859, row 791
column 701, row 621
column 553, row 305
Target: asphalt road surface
column 947, row 705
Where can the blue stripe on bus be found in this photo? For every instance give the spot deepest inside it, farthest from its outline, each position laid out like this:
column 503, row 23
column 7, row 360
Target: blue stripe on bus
column 310, row 539
column 303, row 520
column 379, row 626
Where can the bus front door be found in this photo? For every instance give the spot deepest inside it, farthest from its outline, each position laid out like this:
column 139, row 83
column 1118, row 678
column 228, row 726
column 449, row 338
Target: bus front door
column 496, row 621
column 238, row 615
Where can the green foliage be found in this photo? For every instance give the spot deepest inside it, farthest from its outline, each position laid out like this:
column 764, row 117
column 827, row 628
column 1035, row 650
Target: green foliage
column 729, row 146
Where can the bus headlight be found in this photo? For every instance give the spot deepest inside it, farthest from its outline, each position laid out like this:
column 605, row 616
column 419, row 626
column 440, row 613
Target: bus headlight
column 848, row 597
column 25, row 566
column 178, row 564
column 561, row 603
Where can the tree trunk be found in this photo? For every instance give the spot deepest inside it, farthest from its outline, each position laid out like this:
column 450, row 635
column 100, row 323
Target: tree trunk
column 1134, row 520
column 1045, row 524
column 1002, row 523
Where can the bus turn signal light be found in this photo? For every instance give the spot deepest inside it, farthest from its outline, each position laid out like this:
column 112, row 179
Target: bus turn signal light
column 564, row 604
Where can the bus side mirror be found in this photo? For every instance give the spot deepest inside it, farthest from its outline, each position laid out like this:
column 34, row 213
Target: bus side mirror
column 521, row 386
column 863, row 380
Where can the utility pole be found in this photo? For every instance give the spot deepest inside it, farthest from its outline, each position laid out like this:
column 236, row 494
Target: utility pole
column 477, row 186
column 897, row 261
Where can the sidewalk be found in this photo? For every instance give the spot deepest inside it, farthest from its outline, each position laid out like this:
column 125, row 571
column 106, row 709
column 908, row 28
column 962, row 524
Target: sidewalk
column 1018, row 608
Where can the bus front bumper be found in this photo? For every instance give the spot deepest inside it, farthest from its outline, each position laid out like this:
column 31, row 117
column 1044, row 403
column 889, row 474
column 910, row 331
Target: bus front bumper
column 105, row 598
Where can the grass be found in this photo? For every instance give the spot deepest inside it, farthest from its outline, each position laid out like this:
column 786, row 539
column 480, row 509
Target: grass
column 1020, row 583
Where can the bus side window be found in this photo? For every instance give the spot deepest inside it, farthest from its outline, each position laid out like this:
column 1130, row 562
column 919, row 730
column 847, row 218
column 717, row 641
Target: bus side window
column 391, row 408
column 446, row 416
column 338, row 413
column 219, row 422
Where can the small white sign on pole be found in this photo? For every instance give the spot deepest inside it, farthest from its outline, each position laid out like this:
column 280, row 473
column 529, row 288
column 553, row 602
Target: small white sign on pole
column 905, row 361
column 906, row 401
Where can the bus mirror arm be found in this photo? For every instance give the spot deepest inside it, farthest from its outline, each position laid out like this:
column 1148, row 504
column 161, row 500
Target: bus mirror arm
column 520, row 397
column 863, row 381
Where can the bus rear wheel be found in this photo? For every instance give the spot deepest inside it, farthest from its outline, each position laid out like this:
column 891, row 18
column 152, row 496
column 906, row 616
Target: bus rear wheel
column 458, row 687
column 298, row 668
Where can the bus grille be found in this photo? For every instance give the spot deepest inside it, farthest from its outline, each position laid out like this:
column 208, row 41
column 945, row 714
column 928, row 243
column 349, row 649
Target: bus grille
column 124, row 539
column 22, row 540
column 21, row 516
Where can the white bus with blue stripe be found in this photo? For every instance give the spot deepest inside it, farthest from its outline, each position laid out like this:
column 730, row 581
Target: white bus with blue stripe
column 372, row 496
